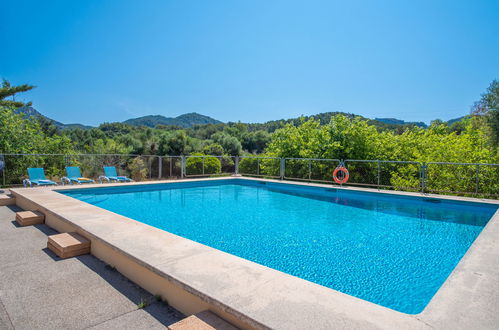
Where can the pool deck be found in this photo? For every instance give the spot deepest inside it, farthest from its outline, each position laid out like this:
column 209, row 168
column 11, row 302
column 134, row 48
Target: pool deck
column 38, row 290
column 261, row 297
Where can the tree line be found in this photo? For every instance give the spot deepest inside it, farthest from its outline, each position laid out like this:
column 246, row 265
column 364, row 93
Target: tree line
column 331, row 135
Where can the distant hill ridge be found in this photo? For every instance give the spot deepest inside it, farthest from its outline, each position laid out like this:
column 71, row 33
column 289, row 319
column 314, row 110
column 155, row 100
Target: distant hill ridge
column 191, row 119
column 401, row 122
column 325, row 117
column 30, row 112
column 186, row 120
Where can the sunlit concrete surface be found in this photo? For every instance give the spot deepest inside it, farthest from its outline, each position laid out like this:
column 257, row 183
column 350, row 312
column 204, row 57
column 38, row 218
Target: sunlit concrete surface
column 38, row 290
column 261, row 297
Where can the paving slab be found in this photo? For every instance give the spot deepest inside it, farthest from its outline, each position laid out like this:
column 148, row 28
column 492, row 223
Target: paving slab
column 39, row 290
column 138, row 319
column 21, row 244
column 5, row 322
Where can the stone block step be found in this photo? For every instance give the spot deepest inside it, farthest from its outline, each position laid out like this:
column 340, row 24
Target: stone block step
column 67, row 245
column 29, row 218
column 205, row 320
column 6, row 199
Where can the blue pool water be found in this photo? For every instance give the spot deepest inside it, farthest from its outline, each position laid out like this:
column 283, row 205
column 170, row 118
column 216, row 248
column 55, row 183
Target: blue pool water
column 392, row 251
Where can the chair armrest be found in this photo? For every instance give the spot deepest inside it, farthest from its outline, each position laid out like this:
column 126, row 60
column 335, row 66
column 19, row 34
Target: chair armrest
column 103, row 177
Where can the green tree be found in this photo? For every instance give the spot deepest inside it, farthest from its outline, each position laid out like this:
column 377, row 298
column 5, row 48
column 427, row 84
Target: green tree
column 108, row 146
column 342, row 138
column 135, row 144
column 488, row 109
column 7, row 90
column 48, row 126
column 237, row 130
column 174, row 144
column 255, row 142
column 22, row 136
column 231, row 144
column 213, row 149
column 354, row 139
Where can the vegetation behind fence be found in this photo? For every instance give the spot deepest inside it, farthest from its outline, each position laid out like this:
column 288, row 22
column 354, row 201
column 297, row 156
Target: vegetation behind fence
column 466, row 179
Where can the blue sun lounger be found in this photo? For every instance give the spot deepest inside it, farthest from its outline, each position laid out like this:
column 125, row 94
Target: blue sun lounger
column 110, row 174
column 74, row 176
column 37, row 177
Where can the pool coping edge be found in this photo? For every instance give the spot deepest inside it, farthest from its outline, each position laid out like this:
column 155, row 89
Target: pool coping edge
column 402, row 320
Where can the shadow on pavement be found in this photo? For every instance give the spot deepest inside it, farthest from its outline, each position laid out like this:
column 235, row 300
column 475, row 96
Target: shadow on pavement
column 160, row 310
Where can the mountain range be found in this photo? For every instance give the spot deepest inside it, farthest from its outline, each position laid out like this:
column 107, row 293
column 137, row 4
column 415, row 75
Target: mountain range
column 191, row 119
column 394, row 121
column 30, row 112
column 186, row 120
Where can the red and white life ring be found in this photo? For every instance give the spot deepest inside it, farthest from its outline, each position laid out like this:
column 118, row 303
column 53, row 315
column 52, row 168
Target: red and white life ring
column 344, row 177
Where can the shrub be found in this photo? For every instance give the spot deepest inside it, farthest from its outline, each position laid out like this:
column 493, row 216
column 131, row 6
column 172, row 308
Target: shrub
column 194, row 165
column 138, row 169
column 248, row 165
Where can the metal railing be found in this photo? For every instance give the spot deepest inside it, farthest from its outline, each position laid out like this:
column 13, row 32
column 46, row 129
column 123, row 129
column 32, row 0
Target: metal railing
column 13, row 167
column 461, row 178
column 309, row 169
column 385, row 174
column 466, row 179
column 259, row 166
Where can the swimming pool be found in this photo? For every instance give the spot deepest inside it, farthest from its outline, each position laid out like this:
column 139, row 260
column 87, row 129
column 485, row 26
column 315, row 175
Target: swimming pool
column 392, row 251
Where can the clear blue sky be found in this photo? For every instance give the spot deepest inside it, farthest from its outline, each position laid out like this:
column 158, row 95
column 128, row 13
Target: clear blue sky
column 253, row 61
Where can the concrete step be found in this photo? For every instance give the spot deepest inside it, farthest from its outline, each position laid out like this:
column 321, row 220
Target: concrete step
column 202, row 321
column 29, row 218
column 7, row 199
column 67, row 245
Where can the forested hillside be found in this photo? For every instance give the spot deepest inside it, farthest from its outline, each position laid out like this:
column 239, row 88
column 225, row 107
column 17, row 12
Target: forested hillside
column 186, row 120
column 327, row 135
column 474, row 139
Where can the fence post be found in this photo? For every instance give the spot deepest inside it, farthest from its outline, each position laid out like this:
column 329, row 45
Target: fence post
column 477, row 178
column 2, row 168
column 236, row 162
column 309, row 170
column 171, row 167
column 379, row 172
column 160, row 167
column 182, row 166
column 282, row 168
column 423, row 173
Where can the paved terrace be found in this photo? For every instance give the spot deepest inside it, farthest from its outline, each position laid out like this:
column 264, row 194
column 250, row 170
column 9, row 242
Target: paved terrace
column 38, row 290
column 255, row 294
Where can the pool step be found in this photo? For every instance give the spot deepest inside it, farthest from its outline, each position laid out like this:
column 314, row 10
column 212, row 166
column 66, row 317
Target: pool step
column 202, row 321
column 67, row 245
column 7, row 199
column 29, row 218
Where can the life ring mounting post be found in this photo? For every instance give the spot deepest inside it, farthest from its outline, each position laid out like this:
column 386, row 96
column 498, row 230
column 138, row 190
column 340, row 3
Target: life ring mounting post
column 341, row 174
